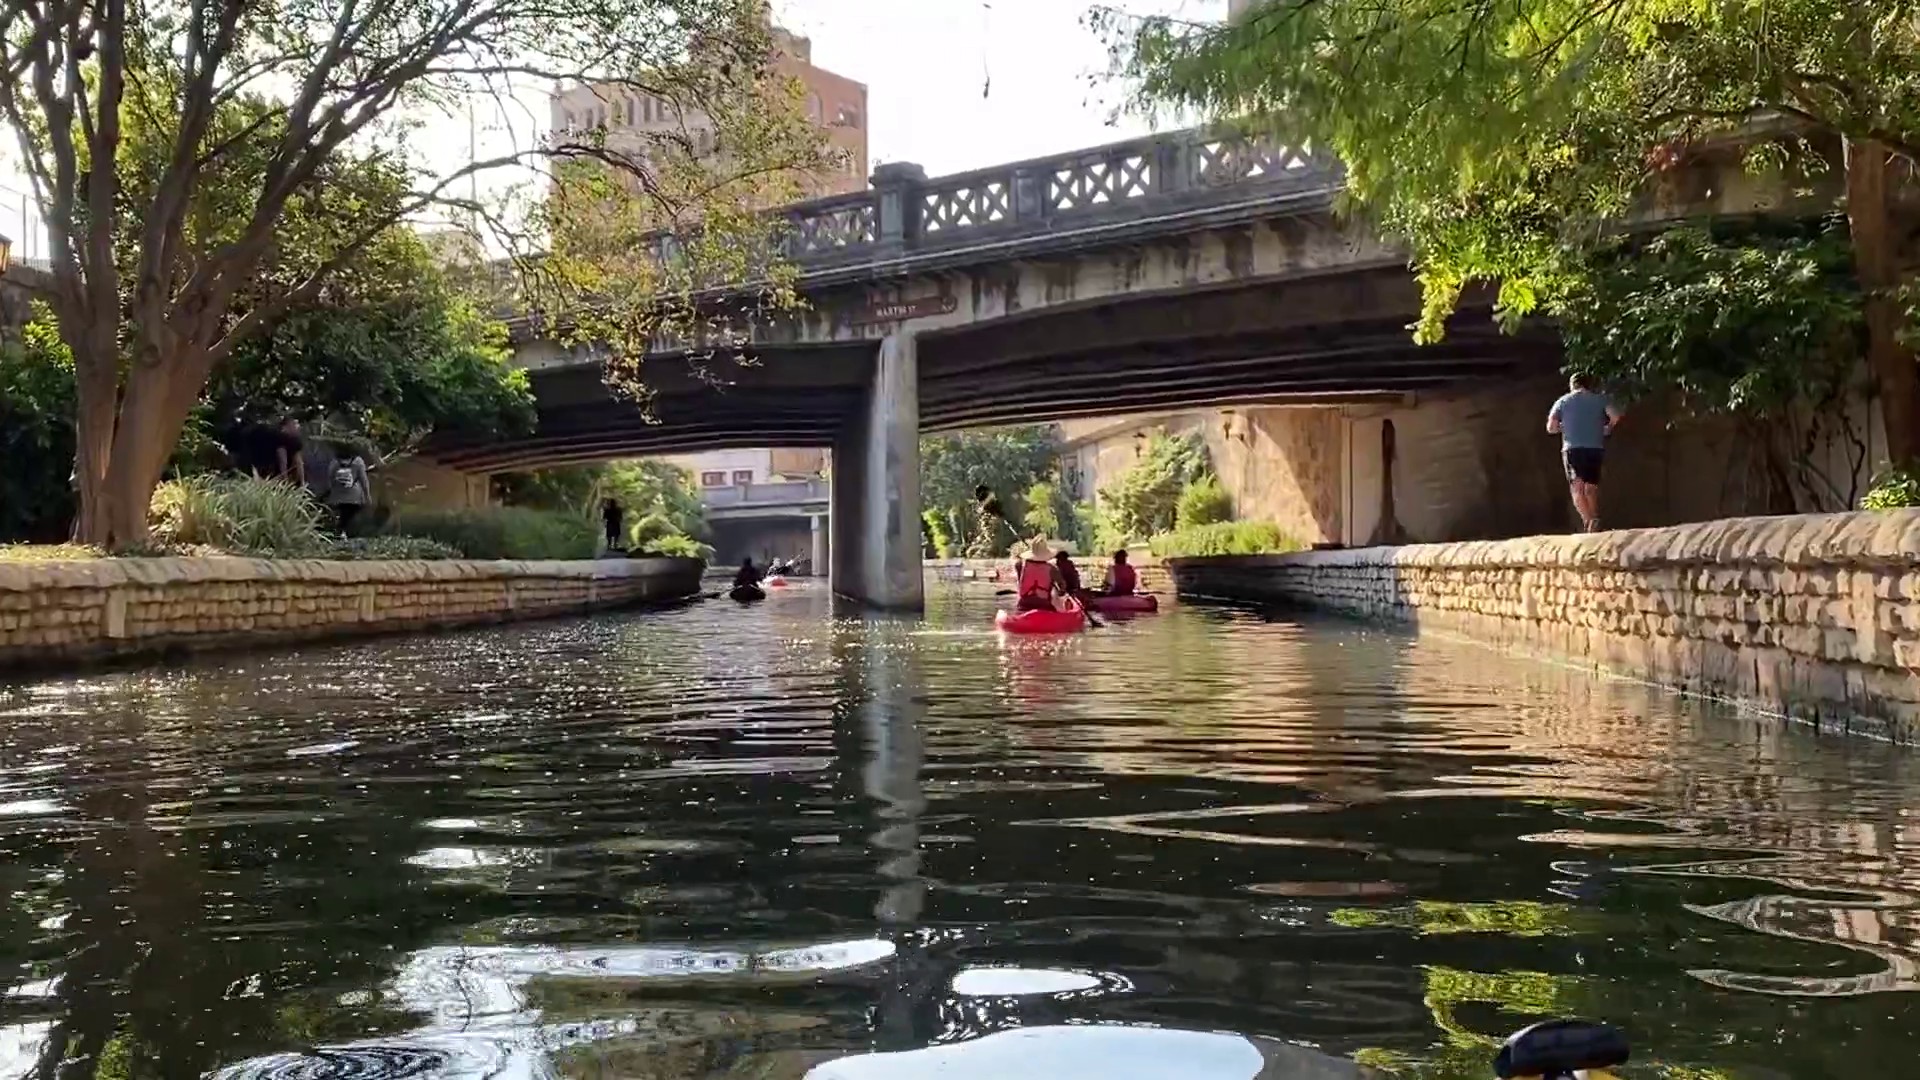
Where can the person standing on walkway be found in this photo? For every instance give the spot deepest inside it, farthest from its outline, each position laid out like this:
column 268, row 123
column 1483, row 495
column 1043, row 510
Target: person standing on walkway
column 612, row 516
column 1583, row 418
column 348, row 488
column 988, row 520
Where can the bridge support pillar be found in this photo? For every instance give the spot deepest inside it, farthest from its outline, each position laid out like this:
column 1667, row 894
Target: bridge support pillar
column 819, row 552
column 875, row 519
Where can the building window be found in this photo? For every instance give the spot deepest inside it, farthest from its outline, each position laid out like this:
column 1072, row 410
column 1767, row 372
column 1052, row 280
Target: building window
column 713, row 479
column 849, row 117
column 813, row 107
column 743, row 476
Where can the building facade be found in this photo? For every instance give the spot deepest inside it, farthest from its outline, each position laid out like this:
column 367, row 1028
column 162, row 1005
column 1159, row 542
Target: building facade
column 764, row 505
column 835, row 103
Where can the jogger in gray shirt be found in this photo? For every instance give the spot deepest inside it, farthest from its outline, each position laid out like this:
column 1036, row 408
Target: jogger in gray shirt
column 1583, row 418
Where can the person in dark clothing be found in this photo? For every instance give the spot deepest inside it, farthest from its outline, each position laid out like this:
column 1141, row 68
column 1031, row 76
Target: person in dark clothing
column 612, row 515
column 1069, row 573
column 748, row 575
column 275, row 453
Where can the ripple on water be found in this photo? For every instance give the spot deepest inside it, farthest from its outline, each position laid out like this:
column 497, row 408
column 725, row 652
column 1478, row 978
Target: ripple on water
column 693, row 843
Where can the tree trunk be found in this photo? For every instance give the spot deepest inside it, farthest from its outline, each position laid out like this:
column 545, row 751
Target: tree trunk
column 1876, row 262
column 154, row 404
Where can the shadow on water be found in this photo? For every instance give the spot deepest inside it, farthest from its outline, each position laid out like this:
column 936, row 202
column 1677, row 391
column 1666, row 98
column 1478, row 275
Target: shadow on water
column 779, row 842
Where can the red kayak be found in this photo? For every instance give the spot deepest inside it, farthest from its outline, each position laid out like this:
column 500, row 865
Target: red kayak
column 1042, row 622
column 775, row 582
column 1123, row 604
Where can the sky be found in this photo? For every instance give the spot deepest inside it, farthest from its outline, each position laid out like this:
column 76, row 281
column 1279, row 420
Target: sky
column 952, row 85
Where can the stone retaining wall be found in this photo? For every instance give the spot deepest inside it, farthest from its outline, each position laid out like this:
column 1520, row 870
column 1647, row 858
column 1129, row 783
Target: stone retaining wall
column 62, row 612
column 1816, row 616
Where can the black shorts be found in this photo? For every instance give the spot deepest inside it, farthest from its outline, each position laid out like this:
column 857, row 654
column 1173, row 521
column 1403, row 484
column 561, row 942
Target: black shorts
column 1583, row 463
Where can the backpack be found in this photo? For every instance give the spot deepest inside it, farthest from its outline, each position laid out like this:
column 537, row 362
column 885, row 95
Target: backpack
column 343, row 477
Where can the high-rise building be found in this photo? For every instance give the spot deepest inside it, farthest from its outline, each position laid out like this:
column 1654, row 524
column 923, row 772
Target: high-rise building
column 837, row 104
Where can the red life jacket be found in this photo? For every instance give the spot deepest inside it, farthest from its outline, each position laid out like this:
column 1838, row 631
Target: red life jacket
column 1036, row 579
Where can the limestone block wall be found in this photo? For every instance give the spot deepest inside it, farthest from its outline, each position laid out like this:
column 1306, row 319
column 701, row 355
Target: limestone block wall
column 54, row 613
column 1815, row 616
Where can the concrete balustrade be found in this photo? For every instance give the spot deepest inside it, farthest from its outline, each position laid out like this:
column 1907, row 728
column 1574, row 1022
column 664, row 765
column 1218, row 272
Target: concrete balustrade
column 1814, row 616
column 57, row 613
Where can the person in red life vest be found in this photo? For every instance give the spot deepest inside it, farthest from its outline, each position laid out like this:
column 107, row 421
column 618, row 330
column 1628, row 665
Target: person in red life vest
column 1121, row 580
column 1039, row 578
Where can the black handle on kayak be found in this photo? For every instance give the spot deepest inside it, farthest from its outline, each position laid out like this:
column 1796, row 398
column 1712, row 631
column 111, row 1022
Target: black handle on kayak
column 1557, row 1049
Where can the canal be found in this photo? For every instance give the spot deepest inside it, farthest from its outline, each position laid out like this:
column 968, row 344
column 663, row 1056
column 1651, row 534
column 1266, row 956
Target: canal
column 763, row 842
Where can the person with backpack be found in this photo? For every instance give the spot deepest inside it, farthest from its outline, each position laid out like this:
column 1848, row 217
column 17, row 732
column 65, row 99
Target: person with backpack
column 348, row 488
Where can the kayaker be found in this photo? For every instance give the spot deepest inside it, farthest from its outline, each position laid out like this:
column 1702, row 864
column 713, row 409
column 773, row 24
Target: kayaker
column 1121, row 580
column 1039, row 578
column 748, row 574
column 1069, row 573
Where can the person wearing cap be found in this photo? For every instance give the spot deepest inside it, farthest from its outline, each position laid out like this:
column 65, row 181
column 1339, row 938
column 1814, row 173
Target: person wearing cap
column 1039, row 578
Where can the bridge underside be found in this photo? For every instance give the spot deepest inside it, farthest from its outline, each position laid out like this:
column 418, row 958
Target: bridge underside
column 1323, row 340
column 791, row 397
column 1316, row 341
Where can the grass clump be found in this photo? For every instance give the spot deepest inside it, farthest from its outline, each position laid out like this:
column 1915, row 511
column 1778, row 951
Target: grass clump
column 23, row 553
column 1224, row 538
column 240, row 515
column 394, row 548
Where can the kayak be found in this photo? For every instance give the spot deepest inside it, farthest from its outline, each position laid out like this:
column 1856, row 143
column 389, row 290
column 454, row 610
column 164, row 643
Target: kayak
column 1123, row 604
column 747, row 594
column 1041, row 622
column 775, row 582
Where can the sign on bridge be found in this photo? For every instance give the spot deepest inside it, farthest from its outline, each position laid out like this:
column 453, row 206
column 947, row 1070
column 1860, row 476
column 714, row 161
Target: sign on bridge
column 901, row 310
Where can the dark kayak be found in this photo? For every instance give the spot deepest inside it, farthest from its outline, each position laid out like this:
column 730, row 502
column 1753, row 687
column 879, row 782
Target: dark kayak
column 747, row 594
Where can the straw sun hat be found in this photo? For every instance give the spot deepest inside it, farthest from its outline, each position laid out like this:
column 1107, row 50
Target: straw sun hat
column 1038, row 550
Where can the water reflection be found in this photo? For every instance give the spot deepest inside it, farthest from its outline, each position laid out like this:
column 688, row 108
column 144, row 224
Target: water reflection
column 725, row 842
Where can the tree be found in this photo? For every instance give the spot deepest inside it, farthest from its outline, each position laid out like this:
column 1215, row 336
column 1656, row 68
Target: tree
column 1144, row 500
column 170, row 145
column 1760, row 325
column 1492, row 134
column 36, row 433
column 386, row 349
column 1008, row 460
column 643, row 488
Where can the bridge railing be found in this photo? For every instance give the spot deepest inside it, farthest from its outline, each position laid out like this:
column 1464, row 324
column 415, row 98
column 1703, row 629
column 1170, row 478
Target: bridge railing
column 905, row 212
column 774, row 494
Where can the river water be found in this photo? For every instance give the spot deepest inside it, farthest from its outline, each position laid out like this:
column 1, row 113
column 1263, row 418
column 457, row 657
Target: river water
column 766, row 842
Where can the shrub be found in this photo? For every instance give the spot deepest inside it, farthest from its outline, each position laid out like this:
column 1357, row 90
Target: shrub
column 1142, row 500
column 1893, row 488
column 1205, row 502
column 1103, row 536
column 405, row 548
column 242, row 515
column 935, row 535
column 501, row 532
column 1224, row 538
column 674, row 546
